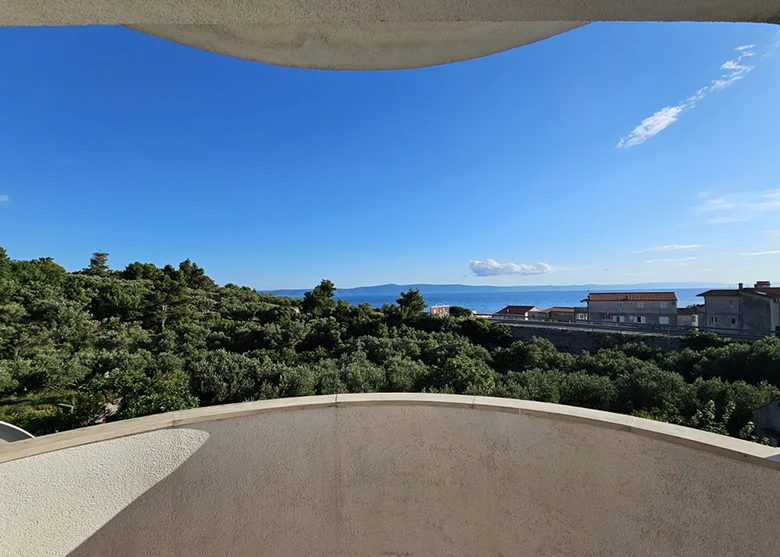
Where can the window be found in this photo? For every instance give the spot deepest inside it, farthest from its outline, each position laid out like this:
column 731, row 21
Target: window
column 640, row 319
column 619, row 305
column 733, row 321
column 664, row 305
column 732, row 304
column 640, row 305
column 663, row 320
column 713, row 319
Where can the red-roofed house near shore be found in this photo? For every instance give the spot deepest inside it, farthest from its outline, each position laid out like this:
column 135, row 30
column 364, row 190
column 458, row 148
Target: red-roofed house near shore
column 651, row 308
column 752, row 310
column 558, row 313
column 520, row 313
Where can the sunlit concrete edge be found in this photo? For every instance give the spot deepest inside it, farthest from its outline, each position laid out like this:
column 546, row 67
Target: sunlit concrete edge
column 718, row 444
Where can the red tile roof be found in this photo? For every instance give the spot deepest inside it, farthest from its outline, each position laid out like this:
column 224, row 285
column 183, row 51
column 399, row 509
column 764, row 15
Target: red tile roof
column 721, row 292
column 772, row 291
column 631, row 297
column 559, row 310
column 515, row 310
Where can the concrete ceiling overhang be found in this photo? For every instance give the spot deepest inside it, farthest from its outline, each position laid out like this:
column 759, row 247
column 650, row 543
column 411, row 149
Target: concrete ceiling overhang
column 368, row 34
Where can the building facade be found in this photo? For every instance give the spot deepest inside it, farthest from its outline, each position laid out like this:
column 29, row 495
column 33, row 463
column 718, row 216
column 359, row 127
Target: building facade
column 753, row 310
column 638, row 308
column 689, row 317
column 559, row 314
column 440, row 309
column 519, row 313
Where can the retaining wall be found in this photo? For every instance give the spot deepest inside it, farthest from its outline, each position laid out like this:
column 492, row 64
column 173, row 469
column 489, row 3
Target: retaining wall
column 575, row 341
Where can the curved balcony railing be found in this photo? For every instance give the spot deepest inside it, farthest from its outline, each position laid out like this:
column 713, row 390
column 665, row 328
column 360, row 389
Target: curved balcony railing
column 388, row 474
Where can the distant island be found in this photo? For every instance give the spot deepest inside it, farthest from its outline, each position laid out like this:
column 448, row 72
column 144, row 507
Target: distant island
column 394, row 289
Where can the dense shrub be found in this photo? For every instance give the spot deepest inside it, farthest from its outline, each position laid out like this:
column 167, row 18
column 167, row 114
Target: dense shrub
column 95, row 345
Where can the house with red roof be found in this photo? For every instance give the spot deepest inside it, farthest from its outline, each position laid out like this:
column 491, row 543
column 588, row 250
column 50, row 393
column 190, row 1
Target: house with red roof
column 558, row 313
column 749, row 309
column 650, row 308
column 520, row 313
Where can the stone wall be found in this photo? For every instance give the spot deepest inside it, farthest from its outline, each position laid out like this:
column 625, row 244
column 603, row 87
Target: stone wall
column 575, row 341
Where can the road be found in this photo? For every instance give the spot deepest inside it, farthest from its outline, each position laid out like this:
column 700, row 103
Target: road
column 588, row 327
column 606, row 328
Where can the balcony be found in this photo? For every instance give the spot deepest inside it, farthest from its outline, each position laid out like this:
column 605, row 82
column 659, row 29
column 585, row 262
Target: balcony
column 388, row 474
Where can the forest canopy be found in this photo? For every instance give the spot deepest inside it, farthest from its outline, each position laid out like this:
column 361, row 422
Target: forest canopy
column 80, row 348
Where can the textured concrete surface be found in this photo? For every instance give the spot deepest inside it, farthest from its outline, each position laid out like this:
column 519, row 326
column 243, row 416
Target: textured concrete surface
column 366, row 46
column 368, row 34
column 390, row 475
column 53, row 502
column 80, row 12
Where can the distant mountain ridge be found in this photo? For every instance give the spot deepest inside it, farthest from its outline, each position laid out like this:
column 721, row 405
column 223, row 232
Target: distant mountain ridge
column 390, row 289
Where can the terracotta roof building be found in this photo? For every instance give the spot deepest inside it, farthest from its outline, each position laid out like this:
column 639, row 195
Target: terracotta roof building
column 516, row 312
column 558, row 313
column 640, row 308
column 631, row 297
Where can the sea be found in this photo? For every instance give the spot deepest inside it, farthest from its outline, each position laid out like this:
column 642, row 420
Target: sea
column 490, row 302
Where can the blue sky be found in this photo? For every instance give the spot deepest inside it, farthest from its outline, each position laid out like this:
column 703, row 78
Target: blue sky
column 614, row 153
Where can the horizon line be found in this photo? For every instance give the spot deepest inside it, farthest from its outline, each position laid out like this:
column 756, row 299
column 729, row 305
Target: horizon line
column 424, row 284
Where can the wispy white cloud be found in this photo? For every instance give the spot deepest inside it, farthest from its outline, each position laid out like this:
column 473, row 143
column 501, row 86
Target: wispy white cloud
column 671, row 260
column 491, row 268
column 721, row 203
column 4, row 198
column 733, row 71
column 772, row 233
column 739, row 207
column 759, row 253
column 768, row 201
column 651, row 126
column 728, row 220
column 775, row 45
column 672, row 247
column 736, row 71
